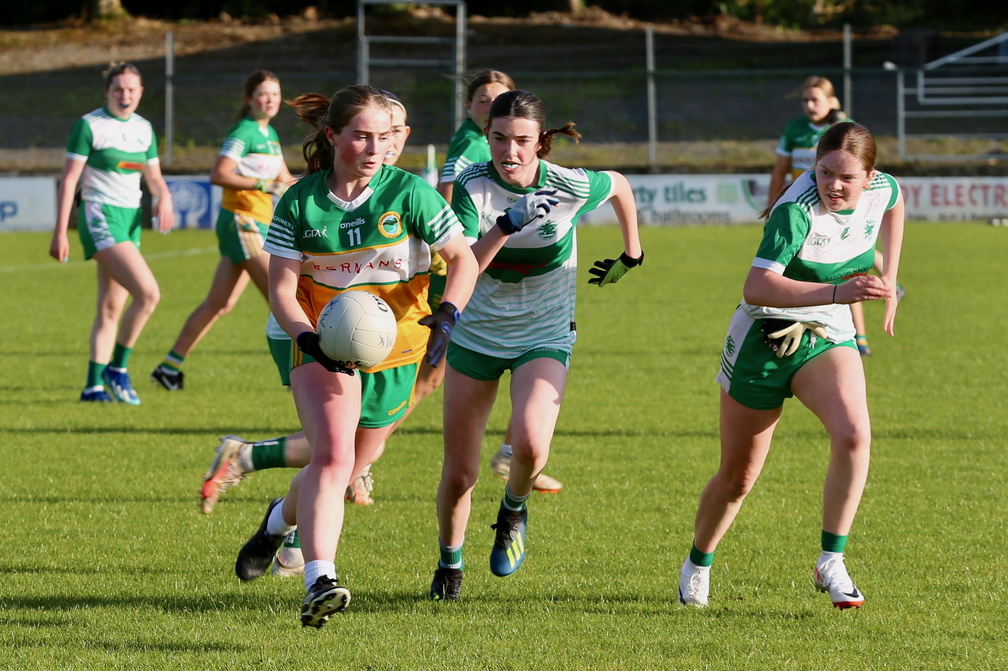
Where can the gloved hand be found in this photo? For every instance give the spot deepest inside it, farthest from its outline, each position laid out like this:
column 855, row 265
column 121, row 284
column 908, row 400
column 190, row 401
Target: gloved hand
column 271, row 186
column 610, row 271
column 308, row 342
column 785, row 341
column 441, row 324
column 529, row 207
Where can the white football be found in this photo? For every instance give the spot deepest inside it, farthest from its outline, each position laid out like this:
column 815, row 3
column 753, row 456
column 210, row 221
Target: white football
column 357, row 328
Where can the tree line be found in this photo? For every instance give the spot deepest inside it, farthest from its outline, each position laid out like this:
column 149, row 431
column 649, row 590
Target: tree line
column 796, row 14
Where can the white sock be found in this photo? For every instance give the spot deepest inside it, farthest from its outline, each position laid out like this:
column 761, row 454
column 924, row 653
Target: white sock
column 505, row 449
column 313, row 570
column 245, row 457
column 275, row 525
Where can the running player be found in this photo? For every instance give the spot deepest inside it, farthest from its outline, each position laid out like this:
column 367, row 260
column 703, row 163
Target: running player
column 519, row 212
column 251, row 170
column 350, row 223
column 468, row 146
column 108, row 150
column 792, row 335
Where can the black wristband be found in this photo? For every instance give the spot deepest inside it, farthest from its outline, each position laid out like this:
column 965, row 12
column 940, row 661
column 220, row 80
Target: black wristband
column 506, row 225
column 631, row 262
column 834, row 292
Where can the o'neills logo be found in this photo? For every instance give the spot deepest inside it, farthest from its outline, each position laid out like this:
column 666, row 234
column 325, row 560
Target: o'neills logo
column 390, row 225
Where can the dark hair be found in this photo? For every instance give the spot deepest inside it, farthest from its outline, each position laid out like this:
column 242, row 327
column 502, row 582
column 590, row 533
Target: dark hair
column 519, row 103
column 484, row 77
column 846, row 136
column 396, row 102
column 251, row 83
column 336, row 112
column 116, row 69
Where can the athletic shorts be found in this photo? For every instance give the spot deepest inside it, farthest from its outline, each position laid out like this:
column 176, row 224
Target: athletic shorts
column 750, row 371
column 239, row 236
column 485, row 367
column 385, row 395
column 102, row 226
column 436, row 291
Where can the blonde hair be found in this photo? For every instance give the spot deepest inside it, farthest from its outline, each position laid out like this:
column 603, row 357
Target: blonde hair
column 824, row 85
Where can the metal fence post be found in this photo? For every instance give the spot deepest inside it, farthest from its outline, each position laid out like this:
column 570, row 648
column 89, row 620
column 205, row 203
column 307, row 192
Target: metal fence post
column 652, row 105
column 169, row 96
column 848, row 85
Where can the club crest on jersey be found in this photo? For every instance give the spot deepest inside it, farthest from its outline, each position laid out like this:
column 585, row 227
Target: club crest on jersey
column 547, row 230
column 390, row 225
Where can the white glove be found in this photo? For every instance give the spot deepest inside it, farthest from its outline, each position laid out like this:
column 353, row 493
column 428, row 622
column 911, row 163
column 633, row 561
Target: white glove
column 271, row 186
column 791, row 336
column 529, row 207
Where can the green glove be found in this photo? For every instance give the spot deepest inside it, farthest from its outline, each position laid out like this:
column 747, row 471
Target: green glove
column 610, row 271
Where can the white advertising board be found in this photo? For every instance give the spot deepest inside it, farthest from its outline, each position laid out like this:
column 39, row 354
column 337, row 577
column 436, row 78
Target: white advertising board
column 27, row 203
column 674, row 200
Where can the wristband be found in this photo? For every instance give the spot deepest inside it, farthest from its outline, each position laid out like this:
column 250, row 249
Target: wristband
column 834, row 293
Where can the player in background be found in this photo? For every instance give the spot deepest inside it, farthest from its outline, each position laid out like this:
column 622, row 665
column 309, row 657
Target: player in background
column 250, row 169
column 351, row 223
column 108, row 150
column 519, row 212
column 468, row 146
column 792, row 335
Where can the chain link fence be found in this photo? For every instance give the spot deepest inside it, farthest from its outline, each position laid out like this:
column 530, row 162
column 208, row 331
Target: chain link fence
column 720, row 120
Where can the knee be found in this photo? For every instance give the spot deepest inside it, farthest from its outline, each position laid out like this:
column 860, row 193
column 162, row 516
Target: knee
column 735, row 485
column 853, row 441
column 148, row 297
column 530, row 452
column 457, row 481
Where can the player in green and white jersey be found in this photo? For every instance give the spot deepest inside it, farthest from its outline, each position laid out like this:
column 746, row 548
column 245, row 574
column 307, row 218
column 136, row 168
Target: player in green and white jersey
column 109, row 149
column 352, row 223
column 251, row 170
column 468, row 146
column 792, row 335
column 520, row 213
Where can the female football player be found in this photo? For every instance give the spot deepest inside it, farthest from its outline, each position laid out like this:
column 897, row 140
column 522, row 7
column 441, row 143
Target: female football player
column 350, row 223
column 792, row 335
column 108, row 150
column 250, row 169
column 519, row 211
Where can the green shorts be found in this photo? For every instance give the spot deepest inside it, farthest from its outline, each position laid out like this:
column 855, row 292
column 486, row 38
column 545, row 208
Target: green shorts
column 239, row 236
column 485, row 367
column 436, row 291
column 101, row 226
column 385, row 395
column 750, row 371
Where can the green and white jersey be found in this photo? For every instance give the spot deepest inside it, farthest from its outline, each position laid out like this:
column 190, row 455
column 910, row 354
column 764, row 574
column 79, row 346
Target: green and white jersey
column 525, row 298
column 799, row 141
column 804, row 241
column 256, row 149
column 469, row 145
column 380, row 242
column 115, row 152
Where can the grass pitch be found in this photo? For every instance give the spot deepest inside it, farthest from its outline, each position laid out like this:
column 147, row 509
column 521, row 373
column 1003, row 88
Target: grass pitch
column 108, row 564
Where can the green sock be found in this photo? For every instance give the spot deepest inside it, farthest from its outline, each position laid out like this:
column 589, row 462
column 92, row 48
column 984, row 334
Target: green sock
column 173, row 361
column 451, row 557
column 120, row 356
column 701, row 558
column 513, row 502
column 94, row 373
column 832, row 542
column 269, row 454
column 292, row 540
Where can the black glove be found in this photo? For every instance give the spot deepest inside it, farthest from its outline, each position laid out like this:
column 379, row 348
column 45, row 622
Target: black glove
column 308, row 343
column 610, row 271
column 441, row 324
